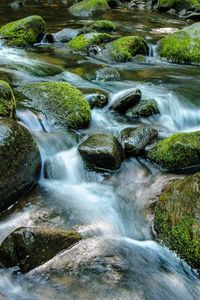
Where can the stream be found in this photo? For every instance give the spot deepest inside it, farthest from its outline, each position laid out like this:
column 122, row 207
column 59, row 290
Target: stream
column 117, row 257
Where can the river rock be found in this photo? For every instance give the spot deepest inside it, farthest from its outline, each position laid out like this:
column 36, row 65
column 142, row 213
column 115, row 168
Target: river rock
column 177, row 218
column 19, row 162
column 179, row 5
column 136, row 139
column 101, row 152
column 60, row 101
column 83, row 42
column 177, row 151
column 97, row 100
column 7, row 101
column 182, row 46
column 124, row 102
column 65, row 35
column 87, row 8
column 99, row 26
column 107, row 74
column 23, row 32
column 124, row 49
column 29, row 247
column 144, row 108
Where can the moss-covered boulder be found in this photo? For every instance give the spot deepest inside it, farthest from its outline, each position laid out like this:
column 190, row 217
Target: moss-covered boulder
column 126, row 101
column 177, row 151
column 7, row 101
column 99, row 26
column 83, row 42
column 136, row 139
column 177, row 218
column 29, row 247
column 144, row 108
column 19, row 162
column 182, row 46
column 59, row 101
column 125, row 48
column 166, row 4
column 24, row 32
column 179, row 4
column 87, row 8
column 101, row 152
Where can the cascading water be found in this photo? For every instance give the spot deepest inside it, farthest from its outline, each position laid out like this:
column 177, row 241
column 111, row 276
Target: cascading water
column 117, row 258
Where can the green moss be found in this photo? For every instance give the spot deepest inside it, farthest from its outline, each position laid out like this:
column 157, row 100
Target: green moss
column 89, row 7
column 182, row 46
column 99, row 26
column 7, row 100
column 177, row 218
column 84, row 41
column 166, row 3
column 187, row 4
column 177, row 151
column 23, row 32
column 123, row 49
column 58, row 100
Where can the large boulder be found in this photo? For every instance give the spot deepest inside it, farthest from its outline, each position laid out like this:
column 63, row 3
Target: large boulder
column 101, row 152
column 136, row 139
column 177, row 218
column 177, row 151
column 124, row 49
column 144, row 108
column 126, row 101
column 83, row 42
column 7, row 101
column 19, row 162
column 182, row 46
column 60, row 101
column 87, row 8
column 29, row 247
column 24, row 32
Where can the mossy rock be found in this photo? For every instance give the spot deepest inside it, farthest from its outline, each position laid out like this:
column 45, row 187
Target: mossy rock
column 29, row 247
column 125, row 48
column 87, row 8
column 177, row 151
column 182, row 46
column 19, row 162
column 144, row 108
column 166, row 4
column 23, row 32
column 179, row 4
column 82, row 42
column 99, row 26
column 101, row 152
column 7, row 101
column 177, row 218
column 59, row 101
column 136, row 139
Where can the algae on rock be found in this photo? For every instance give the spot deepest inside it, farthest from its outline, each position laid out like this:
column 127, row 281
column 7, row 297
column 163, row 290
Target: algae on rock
column 7, row 101
column 87, row 8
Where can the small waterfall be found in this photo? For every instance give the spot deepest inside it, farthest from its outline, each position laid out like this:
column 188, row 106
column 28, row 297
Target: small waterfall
column 152, row 50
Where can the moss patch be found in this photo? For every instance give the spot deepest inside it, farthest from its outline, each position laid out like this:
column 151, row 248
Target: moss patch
column 84, row 41
column 59, row 101
column 99, row 26
column 177, row 151
column 23, row 32
column 86, row 8
column 7, row 101
column 177, row 218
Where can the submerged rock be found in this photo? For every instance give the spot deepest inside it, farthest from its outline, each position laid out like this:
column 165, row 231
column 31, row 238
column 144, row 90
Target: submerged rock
column 19, row 162
column 99, row 26
column 107, row 74
column 136, row 139
column 60, row 101
column 177, row 151
column 7, row 100
column 84, row 41
column 182, row 46
column 144, row 108
column 87, row 8
column 29, row 247
column 177, row 218
column 125, row 48
column 101, row 152
column 23, row 32
column 97, row 100
column 124, row 102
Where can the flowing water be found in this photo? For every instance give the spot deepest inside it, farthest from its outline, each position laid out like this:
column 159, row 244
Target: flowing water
column 117, row 258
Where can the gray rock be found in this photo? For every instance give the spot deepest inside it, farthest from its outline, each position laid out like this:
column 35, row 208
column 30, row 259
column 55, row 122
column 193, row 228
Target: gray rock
column 126, row 101
column 145, row 108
